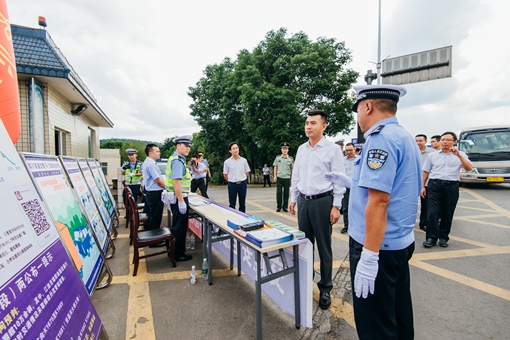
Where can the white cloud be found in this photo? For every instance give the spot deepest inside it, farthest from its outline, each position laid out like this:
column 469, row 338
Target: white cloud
column 139, row 58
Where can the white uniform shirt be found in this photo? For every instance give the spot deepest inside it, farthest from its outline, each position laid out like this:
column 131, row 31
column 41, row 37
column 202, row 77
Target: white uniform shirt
column 444, row 166
column 310, row 166
column 236, row 169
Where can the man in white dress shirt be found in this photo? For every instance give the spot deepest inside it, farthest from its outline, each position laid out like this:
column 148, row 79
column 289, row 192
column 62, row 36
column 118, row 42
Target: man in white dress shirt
column 319, row 201
column 235, row 172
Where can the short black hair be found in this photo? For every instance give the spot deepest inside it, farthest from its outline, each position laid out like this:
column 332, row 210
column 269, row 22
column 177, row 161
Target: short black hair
column 232, row 144
column 450, row 133
column 149, row 148
column 322, row 113
column 421, row 135
column 436, row 137
column 349, row 144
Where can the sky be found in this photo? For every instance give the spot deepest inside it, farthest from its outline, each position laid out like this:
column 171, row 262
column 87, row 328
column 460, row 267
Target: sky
column 139, row 58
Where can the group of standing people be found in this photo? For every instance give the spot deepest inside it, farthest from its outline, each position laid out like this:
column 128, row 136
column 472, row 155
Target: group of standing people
column 377, row 192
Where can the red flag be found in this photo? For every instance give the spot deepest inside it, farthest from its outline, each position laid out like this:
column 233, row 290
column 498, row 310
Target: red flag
column 9, row 96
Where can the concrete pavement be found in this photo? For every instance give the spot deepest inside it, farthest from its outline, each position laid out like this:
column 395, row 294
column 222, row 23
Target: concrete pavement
column 160, row 303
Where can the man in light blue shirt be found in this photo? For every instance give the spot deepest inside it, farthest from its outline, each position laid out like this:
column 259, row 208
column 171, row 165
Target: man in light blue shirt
column 383, row 205
column 154, row 185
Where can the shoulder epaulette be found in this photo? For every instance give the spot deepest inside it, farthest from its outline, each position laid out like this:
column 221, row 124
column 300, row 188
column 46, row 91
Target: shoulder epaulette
column 377, row 129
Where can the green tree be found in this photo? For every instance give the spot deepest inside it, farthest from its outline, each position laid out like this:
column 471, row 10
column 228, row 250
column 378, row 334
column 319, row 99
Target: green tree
column 261, row 99
column 168, row 147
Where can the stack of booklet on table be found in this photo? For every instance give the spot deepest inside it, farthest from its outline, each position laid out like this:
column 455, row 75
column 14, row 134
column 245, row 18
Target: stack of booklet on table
column 268, row 237
column 246, row 223
column 298, row 234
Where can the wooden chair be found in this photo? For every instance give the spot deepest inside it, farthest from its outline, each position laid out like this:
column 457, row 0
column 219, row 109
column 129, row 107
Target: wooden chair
column 139, row 206
column 145, row 238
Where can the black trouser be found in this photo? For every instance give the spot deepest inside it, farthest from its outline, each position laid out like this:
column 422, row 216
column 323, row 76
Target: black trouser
column 235, row 189
column 154, row 209
column 442, row 197
column 282, row 199
column 423, row 211
column 135, row 190
column 199, row 184
column 313, row 220
column 179, row 228
column 345, row 207
column 388, row 313
column 266, row 179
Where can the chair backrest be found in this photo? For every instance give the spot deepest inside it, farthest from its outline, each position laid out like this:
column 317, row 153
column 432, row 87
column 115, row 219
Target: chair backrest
column 135, row 220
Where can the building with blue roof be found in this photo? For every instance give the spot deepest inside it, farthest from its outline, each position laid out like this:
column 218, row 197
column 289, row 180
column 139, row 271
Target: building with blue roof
column 59, row 114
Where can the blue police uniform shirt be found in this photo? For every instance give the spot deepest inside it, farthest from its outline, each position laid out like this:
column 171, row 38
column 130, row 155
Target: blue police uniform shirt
column 390, row 162
column 178, row 168
column 150, row 173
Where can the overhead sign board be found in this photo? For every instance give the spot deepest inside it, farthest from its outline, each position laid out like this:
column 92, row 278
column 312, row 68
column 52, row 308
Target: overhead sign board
column 418, row 67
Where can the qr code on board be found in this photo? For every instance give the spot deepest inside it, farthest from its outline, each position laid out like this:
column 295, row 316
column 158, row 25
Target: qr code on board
column 36, row 216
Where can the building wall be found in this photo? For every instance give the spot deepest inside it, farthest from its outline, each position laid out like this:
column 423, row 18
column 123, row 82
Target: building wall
column 112, row 158
column 79, row 130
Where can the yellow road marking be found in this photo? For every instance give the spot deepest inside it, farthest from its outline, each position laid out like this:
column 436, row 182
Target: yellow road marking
column 473, row 208
column 462, row 279
column 439, row 255
column 340, row 308
column 474, row 217
column 491, row 204
column 484, row 222
column 140, row 320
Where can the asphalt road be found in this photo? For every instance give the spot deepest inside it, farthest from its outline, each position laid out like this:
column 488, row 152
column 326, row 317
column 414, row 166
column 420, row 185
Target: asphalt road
column 459, row 292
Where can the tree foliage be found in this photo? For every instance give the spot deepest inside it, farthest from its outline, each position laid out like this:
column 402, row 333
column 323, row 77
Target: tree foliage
column 122, row 145
column 261, row 99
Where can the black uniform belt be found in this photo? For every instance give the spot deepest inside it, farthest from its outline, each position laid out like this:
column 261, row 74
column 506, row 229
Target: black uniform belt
column 314, row 197
column 443, row 182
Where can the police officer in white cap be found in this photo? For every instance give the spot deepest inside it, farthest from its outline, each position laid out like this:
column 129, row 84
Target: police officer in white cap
column 383, row 206
column 178, row 182
column 132, row 172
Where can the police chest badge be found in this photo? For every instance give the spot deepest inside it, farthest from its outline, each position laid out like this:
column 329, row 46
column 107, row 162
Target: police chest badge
column 376, row 158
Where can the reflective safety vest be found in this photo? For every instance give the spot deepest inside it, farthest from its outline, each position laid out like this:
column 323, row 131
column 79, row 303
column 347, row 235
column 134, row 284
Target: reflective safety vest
column 185, row 180
column 135, row 179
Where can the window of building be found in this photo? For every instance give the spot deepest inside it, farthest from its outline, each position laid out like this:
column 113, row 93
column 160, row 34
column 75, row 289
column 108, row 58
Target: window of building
column 60, row 143
column 104, row 167
column 92, row 141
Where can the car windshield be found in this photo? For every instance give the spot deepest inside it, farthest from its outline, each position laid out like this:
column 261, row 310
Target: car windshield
column 162, row 167
column 485, row 142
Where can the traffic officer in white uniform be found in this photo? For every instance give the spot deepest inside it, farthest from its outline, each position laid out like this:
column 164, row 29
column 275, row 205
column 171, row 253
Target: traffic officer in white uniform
column 383, row 206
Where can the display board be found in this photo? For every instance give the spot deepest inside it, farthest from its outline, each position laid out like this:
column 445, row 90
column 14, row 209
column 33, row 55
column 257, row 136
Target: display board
column 105, row 183
column 85, row 199
column 41, row 296
column 51, row 182
column 96, row 194
column 96, row 172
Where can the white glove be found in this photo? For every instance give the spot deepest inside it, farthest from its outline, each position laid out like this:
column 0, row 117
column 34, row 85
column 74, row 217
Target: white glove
column 339, row 178
column 131, row 174
column 166, row 198
column 183, row 208
column 366, row 272
column 171, row 197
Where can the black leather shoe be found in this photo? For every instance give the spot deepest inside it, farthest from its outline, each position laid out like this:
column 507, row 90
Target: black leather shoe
column 324, row 301
column 344, row 230
column 278, row 209
column 157, row 245
column 443, row 243
column 285, row 209
column 183, row 258
column 429, row 243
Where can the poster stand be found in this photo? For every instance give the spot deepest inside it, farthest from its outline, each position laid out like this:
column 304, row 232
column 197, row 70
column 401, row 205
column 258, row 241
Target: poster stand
column 105, row 183
column 88, row 203
column 41, row 295
column 105, row 193
column 87, row 240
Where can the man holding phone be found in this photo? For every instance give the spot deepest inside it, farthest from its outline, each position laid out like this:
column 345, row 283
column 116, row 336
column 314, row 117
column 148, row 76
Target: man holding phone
column 442, row 168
